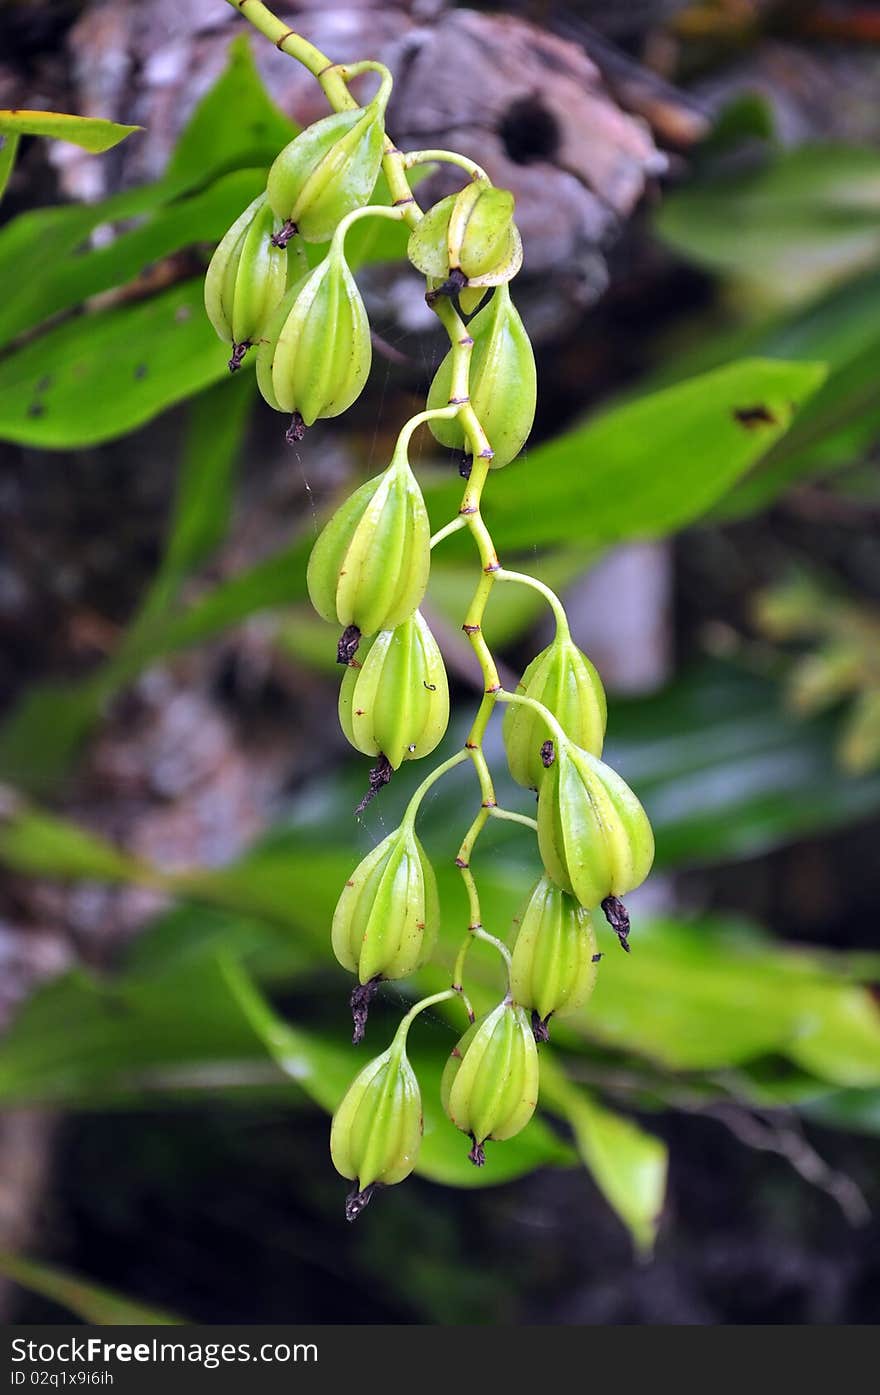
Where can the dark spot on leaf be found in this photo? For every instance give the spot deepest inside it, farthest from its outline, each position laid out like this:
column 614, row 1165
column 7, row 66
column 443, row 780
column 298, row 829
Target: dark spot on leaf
column 44, row 384
column 752, row 417
column 36, row 409
column 141, row 370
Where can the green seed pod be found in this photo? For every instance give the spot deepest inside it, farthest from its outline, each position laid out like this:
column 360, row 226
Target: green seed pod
column 469, row 236
column 377, row 1129
column 554, row 957
column 386, row 920
column 594, row 835
column 369, row 567
column 503, row 387
column 329, row 170
column 394, row 701
column 470, row 298
column 247, row 277
column 316, row 353
column 489, row 1087
column 563, row 680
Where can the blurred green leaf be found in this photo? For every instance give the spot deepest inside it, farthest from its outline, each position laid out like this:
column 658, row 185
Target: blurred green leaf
column 647, row 467
column 88, row 1301
column 205, row 490
column 857, row 1111
column 90, row 132
column 8, row 152
column 69, row 280
column 628, row 1164
column 724, row 771
column 253, row 130
column 101, row 375
column 40, row 845
column 808, row 218
column 235, row 125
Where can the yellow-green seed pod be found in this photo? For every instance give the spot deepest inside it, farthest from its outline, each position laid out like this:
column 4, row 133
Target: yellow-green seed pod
column 563, row 680
column 594, row 835
column 377, row 1129
column 554, row 962
column 329, row 170
column 316, row 353
column 502, row 381
column 386, row 920
column 369, row 567
column 489, row 1087
column 248, row 276
column 470, row 298
column 394, row 699
column 470, row 235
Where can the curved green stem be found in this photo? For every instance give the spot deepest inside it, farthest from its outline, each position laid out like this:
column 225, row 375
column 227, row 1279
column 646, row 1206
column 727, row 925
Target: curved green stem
column 510, row 816
column 399, row 1042
column 373, row 210
column 412, row 808
column 550, row 596
column 353, row 70
column 455, row 526
column 406, row 432
column 446, row 157
column 550, row 721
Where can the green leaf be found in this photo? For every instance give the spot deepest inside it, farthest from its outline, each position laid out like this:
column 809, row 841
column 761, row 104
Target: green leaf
column 101, row 375
column 74, row 274
column 90, row 132
column 808, row 218
column 235, row 125
column 726, row 773
column 838, row 1035
column 648, row 467
column 8, row 152
column 253, row 131
column 628, row 1165
column 857, row 1111
column 41, row 845
column 205, row 490
column 91, row 1302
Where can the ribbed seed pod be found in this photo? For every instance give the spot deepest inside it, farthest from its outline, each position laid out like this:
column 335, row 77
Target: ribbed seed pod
column 503, row 386
column 394, row 700
column 471, row 235
column 386, row 920
column 489, row 1087
column 369, row 567
column 594, row 835
column 316, row 352
column 554, row 962
column 564, row 681
column 377, row 1129
column 329, row 170
column 247, row 277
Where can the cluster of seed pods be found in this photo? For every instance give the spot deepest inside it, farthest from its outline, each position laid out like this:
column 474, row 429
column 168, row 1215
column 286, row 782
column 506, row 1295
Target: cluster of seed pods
column 368, row 574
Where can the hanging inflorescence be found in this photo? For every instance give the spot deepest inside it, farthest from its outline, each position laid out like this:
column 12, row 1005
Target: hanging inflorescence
column 368, row 573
